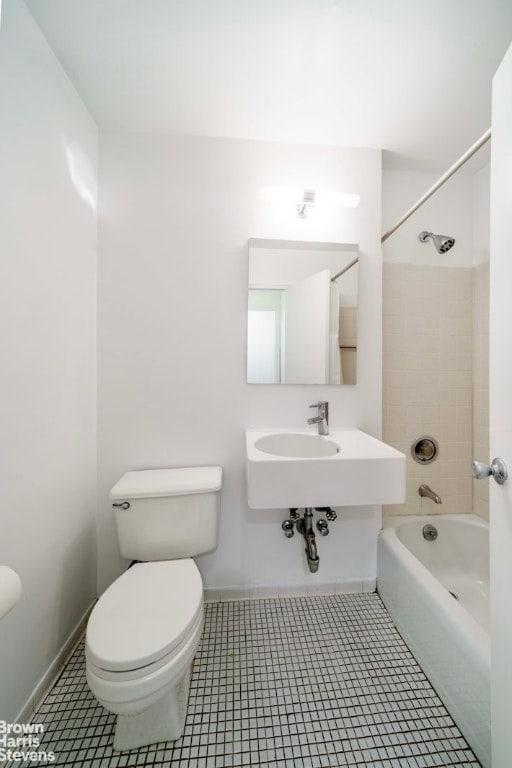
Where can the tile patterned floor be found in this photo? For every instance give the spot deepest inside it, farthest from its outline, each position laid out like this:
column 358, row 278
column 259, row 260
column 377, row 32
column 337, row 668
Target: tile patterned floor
column 302, row 682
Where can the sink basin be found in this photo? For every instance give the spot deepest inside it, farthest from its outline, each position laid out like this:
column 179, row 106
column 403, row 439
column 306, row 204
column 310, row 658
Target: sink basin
column 299, row 468
column 296, row 445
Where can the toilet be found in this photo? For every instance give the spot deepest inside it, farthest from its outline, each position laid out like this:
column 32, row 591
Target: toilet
column 144, row 631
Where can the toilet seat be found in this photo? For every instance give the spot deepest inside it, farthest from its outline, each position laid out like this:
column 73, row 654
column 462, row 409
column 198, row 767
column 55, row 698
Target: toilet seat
column 131, row 692
column 144, row 619
column 149, row 669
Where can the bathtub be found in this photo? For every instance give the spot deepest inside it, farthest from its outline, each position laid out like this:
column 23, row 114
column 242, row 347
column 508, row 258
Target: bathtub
column 437, row 593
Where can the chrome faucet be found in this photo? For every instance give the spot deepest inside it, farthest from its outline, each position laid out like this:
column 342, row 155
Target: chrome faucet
column 323, row 417
column 424, row 490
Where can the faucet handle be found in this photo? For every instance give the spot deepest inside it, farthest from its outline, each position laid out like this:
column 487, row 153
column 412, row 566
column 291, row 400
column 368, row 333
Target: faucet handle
column 322, row 419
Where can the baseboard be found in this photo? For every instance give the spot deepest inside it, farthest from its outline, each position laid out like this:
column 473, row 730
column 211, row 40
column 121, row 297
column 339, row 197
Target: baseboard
column 49, row 678
column 260, row 592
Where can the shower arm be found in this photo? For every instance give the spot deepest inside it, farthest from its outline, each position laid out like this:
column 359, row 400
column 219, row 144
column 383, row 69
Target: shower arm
column 439, row 183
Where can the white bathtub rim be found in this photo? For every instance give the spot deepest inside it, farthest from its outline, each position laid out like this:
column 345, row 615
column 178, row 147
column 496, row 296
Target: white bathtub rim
column 392, row 521
column 438, row 520
column 435, row 593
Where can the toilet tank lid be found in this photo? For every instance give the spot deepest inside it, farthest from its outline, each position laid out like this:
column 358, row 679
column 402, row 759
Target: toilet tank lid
column 151, row 483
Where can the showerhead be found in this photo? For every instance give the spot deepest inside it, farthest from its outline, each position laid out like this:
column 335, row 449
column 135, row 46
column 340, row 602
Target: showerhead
column 443, row 243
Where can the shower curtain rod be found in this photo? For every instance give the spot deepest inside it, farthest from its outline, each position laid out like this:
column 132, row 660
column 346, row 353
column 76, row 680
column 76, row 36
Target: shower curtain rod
column 345, row 269
column 439, row 183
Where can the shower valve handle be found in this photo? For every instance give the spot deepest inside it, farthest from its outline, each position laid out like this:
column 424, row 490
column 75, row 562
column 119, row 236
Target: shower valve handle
column 497, row 469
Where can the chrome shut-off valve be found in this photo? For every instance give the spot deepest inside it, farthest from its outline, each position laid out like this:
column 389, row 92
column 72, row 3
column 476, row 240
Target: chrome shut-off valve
column 322, row 527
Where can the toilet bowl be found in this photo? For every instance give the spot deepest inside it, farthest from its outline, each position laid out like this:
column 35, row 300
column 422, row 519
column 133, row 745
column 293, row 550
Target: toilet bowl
column 141, row 640
column 144, row 631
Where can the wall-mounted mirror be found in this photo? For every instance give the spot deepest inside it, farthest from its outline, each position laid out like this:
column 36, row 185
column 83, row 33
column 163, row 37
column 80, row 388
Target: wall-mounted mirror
column 302, row 312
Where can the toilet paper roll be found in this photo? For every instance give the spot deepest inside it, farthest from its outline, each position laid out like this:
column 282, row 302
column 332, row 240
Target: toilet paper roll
column 10, row 589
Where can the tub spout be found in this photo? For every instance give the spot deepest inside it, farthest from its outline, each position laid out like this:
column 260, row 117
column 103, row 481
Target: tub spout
column 424, row 490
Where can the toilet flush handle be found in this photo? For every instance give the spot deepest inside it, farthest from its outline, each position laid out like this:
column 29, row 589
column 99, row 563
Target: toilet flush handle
column 122, row 504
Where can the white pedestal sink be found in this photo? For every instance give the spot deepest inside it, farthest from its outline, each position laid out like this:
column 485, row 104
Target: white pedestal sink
column 298, row 468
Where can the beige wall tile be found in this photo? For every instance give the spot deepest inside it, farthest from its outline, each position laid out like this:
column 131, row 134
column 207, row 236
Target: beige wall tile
column 430, row 343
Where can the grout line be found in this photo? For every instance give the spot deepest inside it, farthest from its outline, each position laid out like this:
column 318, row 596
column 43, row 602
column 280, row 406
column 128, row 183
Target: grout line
column 303, row 681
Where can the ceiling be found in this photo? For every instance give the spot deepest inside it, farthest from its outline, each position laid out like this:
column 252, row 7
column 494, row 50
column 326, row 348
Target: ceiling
column 410, row 76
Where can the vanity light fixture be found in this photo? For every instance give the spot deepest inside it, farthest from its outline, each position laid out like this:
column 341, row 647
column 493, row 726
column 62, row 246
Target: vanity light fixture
column 329, row 199
column 308, row 201
column 325, row 199
column 306, row 198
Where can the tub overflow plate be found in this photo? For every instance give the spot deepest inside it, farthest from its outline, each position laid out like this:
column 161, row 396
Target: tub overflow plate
column 430, row 532
column 424, row 450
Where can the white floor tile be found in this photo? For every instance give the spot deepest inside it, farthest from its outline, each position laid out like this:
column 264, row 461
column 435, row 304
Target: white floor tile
column 303, row 680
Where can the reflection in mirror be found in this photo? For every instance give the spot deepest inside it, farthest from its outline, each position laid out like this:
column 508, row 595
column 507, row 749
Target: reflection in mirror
column 302, row 312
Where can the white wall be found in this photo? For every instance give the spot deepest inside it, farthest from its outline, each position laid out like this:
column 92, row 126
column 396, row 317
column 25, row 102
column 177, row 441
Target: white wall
column 48, row 391
column 175, row 216
column 481, row 215
column 448, row 212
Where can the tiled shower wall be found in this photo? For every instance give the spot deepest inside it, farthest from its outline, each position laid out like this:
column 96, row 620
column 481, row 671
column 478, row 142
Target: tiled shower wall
column 434, row 346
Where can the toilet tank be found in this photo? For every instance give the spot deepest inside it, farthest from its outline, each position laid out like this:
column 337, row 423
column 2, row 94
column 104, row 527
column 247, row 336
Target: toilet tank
column 167, row 514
